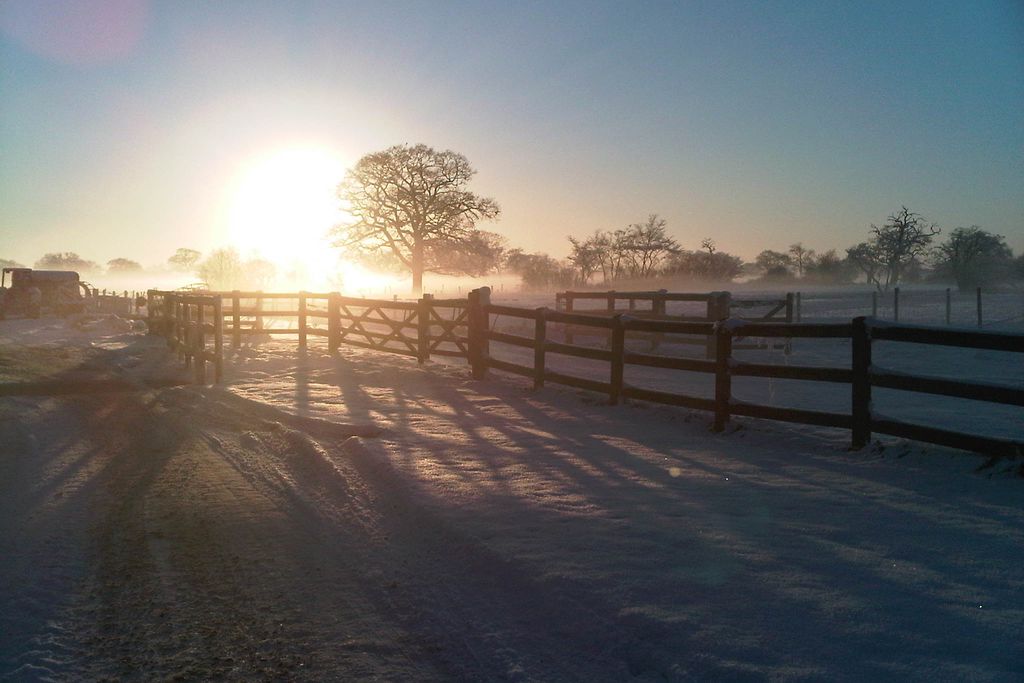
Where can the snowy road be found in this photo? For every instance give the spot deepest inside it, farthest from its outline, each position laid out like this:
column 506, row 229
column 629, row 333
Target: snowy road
column 359, row 517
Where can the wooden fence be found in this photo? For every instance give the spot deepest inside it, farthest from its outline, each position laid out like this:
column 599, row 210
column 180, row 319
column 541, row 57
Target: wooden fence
column 421, row 329
column 717, row 306
column 861, row 375
column 462, row 328
column 191, row 320
column 123, row 303
column 894, row 304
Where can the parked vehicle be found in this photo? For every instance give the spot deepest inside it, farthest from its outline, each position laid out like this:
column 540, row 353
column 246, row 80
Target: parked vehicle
column 33, row 292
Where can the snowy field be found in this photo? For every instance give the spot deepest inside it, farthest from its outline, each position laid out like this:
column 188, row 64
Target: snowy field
column 361, row 517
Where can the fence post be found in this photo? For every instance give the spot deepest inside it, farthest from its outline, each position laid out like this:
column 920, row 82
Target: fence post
column 183, row 337
column 189, row 334
column 423, row 328
column 258, row 320
column 787, row 348
column 160, row 320
column 979, row 306
column 658, row 305
column 218, row 338
column 170, row 323
column 568, row 309
column 236, row 319
column 302, row 321
column 712, row 313
column 896, row 304
column 167, row 322
column 618, row 359
column 719, row 304
column 723, row 380
column 149, row 312
column 874, row 304
column 479, row 321
column 200, row 339
column 861, row 384
column 540, row 337
column 659, row 309
column 333, row 321
column 181, row 331
column 611, row 300
column 949, row 307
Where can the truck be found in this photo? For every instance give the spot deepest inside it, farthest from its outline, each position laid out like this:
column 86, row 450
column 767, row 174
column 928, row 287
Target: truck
column 31, row 292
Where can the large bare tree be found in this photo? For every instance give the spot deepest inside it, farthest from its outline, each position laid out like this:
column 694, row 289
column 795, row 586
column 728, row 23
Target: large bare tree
column 411, row 204
column 903, row 239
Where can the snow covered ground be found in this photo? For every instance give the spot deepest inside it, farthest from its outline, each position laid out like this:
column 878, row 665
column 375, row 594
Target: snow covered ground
column 361, row 517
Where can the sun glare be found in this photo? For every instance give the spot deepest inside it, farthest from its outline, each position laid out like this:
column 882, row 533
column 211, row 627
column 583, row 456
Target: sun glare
column 281, row 208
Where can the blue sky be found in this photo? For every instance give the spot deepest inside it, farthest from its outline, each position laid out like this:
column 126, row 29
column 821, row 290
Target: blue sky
column 125, row 125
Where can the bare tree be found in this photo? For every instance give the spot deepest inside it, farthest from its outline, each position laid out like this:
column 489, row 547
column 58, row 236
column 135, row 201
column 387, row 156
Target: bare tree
column 539, row 271
column 972, row 257
column 707, row 265
column 184, row 259
column 616, row 245
column 257, row 272
column 66, row 260
column 774, row 264
column 646, row 245
column 123, row 265
column 801, row 257
column 586, row 255
column 829, row 268
column 480, row 253
column 222, row 269
column 866, row 258
column 408, row 202
column 8, row 263
column 903, row 238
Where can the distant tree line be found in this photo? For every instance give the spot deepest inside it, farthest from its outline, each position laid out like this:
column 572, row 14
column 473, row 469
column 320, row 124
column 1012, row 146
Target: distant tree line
column 413, row 212
column 900, row 250
column 221, row 269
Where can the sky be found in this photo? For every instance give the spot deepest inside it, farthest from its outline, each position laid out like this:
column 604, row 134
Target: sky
column 131, row 128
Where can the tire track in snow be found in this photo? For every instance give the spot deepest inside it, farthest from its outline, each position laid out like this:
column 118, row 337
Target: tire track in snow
column 193, row 571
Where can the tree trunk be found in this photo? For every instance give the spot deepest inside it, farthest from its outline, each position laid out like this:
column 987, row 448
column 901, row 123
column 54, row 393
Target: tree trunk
column 417, row 268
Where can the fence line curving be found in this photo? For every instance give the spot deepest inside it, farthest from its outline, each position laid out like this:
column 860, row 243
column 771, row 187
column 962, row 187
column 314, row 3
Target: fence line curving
column 463, row 328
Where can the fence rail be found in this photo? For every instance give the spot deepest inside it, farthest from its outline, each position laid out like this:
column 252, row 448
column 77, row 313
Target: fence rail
column 717, row 306
column 861, row 376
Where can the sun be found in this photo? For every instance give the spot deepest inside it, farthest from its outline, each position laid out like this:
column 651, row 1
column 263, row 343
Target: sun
column 282, row 204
